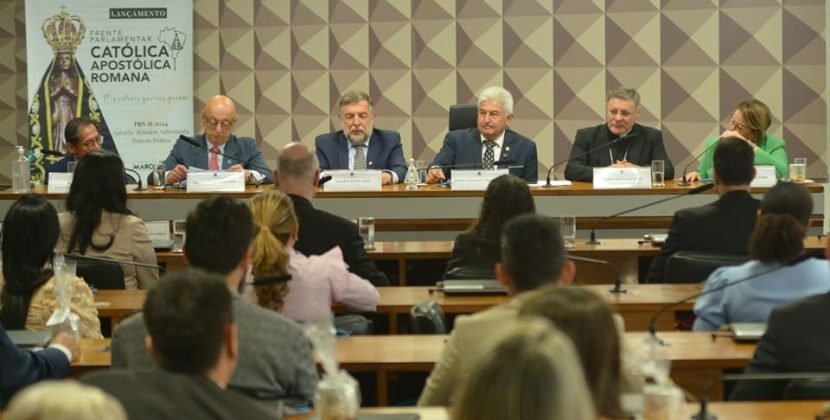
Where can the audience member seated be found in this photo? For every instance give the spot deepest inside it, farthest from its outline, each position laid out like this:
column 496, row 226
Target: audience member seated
column 29, row 288
column 64, row 400
column 98, row 223
column 218, row 148
column 20, row 368
column 730, row 219
column 314, row 281
column 749, row 122
column 489, row 142
column 587, row 319
column 532, row 372
column 193, row 339
column 359, row 145
column 640, row 145
column 532, row 255
column 476, row 251
column 298, row 174
column 796, row 340
column 276, row 358
column 777, row 242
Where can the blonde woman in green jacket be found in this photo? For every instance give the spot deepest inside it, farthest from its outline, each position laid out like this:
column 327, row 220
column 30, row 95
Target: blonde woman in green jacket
column 749, row 122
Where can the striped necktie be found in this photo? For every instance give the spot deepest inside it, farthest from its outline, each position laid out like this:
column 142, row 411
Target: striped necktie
column 359, row 158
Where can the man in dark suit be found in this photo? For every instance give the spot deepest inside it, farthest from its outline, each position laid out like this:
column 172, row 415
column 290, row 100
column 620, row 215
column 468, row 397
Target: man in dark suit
column 640, row 145
column 490, row 141
column 82, row 137
column 19, row 368
column 796, row 340
column 298, row 175
column 720, row 227
column 193, row 339
column 219, row 149
column 359, row 145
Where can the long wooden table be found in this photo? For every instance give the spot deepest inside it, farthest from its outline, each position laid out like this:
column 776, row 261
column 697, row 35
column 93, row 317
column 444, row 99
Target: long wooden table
column 636, row 306
column 696, row 358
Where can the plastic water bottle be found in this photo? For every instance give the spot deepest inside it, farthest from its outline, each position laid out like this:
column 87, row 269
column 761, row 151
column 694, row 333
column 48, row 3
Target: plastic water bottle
column 21, row 175
column 412, row 178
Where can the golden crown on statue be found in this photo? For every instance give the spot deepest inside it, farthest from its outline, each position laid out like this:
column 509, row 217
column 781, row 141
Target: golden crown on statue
column 64, row 32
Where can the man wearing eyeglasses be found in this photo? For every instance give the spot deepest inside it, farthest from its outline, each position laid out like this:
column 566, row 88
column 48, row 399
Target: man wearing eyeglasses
column 640, row 146
column 359, row 145
column 82, row 137
column 220, row 149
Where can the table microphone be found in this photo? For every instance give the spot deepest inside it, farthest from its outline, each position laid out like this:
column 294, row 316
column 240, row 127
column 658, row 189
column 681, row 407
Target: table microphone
column 52, row 153
column 323, row 180
column 191, row 141
column 652, row 325
column 693, row 191
column 704, row 414
column 587, row 152
column 140, row 186
column 112, row 260
column 683, row 182
column 475, row 165
column 617, row 289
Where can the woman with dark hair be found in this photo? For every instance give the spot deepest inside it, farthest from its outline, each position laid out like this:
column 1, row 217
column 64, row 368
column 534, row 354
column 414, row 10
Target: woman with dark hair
column 477, row 250
column 587, row 319
column 778, row 239
column 98, row 222
column 749, row 121
column 28, row 297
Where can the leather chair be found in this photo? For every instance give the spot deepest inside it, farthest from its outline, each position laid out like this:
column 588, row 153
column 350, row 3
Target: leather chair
column 695, row 267
column 353, row 324
column 463, row 116
column 808, row 389
column 101, row 274
column 427, row 318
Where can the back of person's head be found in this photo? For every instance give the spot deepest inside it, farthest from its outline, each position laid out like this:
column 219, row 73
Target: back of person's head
column 588, row 320
column 782, row 224
column 532, row 252
column 734, row 162
column 72, row 131
column 533, row 373
column 67, row 399
column 97, row 186
column 218, row 234
column 297, row 162
column 275, row 223
column 30, row 232
column 757, row 117
column 506, row 197
column 187, row 315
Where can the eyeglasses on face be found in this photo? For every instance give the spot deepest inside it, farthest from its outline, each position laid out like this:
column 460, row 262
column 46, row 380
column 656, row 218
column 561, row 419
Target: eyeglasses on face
column 211, row 122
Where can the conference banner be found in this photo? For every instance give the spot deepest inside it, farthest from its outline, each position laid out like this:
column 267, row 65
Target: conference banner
column 125, row 64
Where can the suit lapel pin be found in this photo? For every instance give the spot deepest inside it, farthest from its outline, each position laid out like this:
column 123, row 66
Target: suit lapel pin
column 371, row 163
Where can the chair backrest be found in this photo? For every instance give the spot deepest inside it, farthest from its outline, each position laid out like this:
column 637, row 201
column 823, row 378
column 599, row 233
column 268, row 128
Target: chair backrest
column 695, row 267
column 469, row 272
column 463, row 116
column 808, row 389
column 427, row 318
column 354, row 324
column 101, row 274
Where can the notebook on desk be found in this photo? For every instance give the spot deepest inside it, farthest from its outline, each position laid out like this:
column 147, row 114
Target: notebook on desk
column 466, row 287
column 747, row 331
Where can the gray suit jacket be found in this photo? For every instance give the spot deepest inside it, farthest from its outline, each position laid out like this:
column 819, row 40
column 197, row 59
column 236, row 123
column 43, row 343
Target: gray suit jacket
column 274, row 356
column 241, row 150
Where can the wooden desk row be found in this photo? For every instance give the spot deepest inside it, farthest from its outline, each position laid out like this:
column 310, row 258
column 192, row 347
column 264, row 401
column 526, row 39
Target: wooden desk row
column 624, row 253
column 696, row 358
column 636, row 306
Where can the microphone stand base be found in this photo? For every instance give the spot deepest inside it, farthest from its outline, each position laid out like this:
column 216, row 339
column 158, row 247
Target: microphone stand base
column 592, row 242
column 703, row 415
column 683, row 184
column 618, row 290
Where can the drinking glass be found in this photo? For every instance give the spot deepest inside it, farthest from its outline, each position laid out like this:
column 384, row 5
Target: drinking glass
column 366, row 226
column 658, row 173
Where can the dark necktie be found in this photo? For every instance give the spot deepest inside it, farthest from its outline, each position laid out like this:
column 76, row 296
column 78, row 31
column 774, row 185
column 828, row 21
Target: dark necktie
column 489, row 155
column 359, row 158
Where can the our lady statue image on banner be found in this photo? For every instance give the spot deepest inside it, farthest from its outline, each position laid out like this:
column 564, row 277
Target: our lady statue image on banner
column 63, row 93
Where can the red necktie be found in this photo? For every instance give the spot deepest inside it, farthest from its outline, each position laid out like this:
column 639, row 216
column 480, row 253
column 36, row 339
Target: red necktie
column 213, row 165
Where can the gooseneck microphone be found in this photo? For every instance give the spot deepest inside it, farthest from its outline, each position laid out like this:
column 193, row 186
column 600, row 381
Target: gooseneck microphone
column 111, row 260
column 474, row 165
column 140, row 186
column 652, row 325
column 617, row 289
column 587, row 152
column 693, row 191
column 683, row 182
column 245, row 163
column 48, row 152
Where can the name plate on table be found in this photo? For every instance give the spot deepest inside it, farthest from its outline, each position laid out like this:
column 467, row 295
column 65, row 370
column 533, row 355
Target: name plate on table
column 621, row 178
column 159, row 231
column 216, row 181
column 345, row 180
column 59, row 182
column 474, row 179
column 764, row 177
